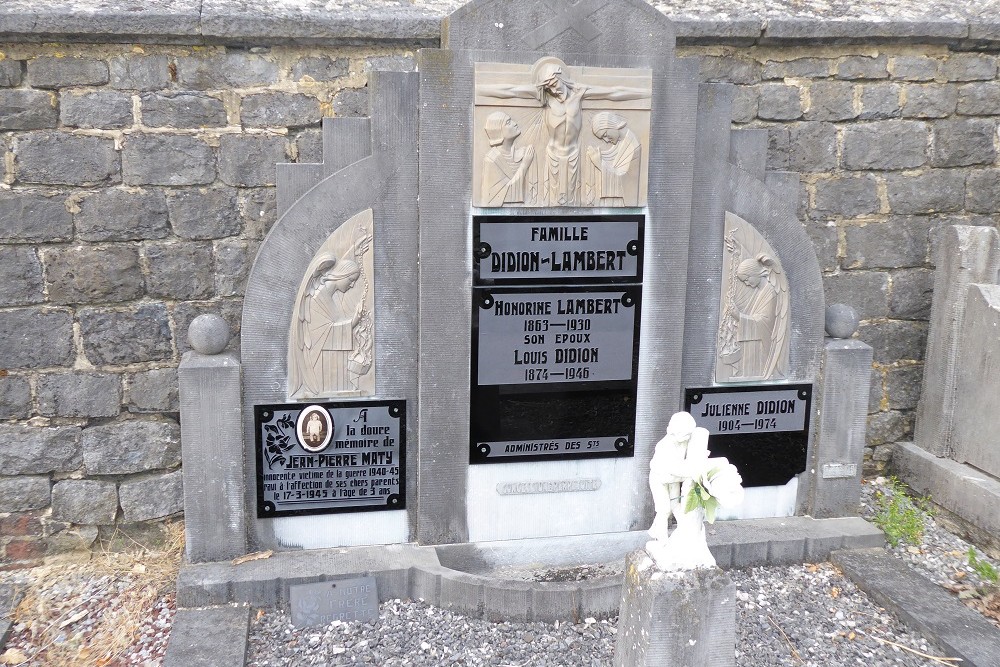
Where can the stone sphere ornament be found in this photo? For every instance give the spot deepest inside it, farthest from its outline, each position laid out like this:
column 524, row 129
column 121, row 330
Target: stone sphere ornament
column 691, row 486
column 208, row 334
column 841, row 320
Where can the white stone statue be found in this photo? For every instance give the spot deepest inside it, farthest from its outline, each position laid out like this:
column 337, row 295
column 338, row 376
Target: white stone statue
column 508, row 171
column 688, row 484
column 613, row 170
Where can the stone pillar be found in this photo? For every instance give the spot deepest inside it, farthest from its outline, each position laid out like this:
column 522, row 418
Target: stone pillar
column 843, row 410
column 212, row 445
column 965, row 255
column 977, row 386
column 670, row 619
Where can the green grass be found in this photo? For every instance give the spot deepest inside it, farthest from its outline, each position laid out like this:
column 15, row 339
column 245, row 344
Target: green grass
column 983, row 568
column 898, row 515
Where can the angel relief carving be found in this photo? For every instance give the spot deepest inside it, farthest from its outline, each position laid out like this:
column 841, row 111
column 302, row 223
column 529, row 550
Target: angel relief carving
column 754, row 330
column 332, row 336
column 554, row 161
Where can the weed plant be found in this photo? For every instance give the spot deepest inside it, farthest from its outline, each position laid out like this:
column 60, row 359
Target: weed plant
column 899, row 516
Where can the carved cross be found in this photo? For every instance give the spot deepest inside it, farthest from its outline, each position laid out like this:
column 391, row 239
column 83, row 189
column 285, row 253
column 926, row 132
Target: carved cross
column 566, row 15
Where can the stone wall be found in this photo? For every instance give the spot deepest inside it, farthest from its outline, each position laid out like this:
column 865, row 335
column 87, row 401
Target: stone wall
column 137, row 183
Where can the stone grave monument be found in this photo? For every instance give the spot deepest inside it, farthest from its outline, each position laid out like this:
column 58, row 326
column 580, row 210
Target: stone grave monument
column 473, row 319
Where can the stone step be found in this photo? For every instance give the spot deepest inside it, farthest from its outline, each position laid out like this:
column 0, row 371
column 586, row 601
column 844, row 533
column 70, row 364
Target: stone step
column 922, row 605
column 208, row 637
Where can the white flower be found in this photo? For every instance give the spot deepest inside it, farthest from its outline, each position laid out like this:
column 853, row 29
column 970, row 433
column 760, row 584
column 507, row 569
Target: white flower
column 722, row 481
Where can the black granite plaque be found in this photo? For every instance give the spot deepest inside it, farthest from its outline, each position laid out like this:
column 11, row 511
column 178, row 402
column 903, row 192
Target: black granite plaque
column 762, row 429
column 555, row 336
column 557, row 249
column 322, row 458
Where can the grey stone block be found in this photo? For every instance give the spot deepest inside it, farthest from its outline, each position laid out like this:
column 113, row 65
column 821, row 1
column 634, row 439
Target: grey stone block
column 923, row 605
column 933, row 191
column 224, row 71
column 232, row 263
column 351, row 102
column 779, row 102
column 27, row 110
column 977, row 390
column 249, row 160
column 913, row 68
column 799, row 68
column 30, row 450
column 846, row 197
column 49, row 72
column 66, row 159
column 182, row 110
column 159, row 159
column 969, row 67
column 681, row 618
column 903, row 386
column 982, row 191
column 463, row 594
column 960, row 143
column 134, row 335
column 125, row 447
column 103, row 109
column 425, row 584
column 930, row 101
column 812, row 147
column 552, row 602
column 895, row 340
column 278, row 109
column 831, row 101
column 888, row 427
column 34, row 217
column 117, row 214
column 863, row 67
column 745, row 103
column 89, row 274
column 79, row 394
column 85, row 501
column 203, row 213
column 910, row 298
column 19, row 494
column 36, row 338
column 897, row 243
column 139, row 72
column 729, row 69
column 877, row 401
column 152, row 391
column 179, row 270
column 979, row 99
column 20, row 276
column 212, row 443
column 971, row 494
column 309, row 147
column 880, row 101
column 11, row 72
column 865, row 291
column 259, row 211
column 152, row 497
column 15, row 397
column 390, row 63
column 507, row 599
column 825, row 240
column 320, row 68
column 885, row 144
column 211, row 637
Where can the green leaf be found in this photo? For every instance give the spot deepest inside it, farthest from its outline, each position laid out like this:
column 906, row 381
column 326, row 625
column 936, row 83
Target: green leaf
column 693, row 501
column 711, row 504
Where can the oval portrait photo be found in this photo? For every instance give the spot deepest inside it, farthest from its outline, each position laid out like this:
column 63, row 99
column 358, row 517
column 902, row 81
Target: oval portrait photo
column 314, row 428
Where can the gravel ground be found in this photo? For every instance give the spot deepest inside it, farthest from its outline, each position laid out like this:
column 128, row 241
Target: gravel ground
column 800, row 615
column 807, row 615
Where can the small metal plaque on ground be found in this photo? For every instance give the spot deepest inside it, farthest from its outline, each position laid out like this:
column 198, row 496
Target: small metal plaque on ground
column 328, row 601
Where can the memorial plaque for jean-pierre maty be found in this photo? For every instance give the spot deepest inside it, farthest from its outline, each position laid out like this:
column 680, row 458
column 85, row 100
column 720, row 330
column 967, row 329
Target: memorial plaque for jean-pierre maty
column 323, row 458
column 555, row 336
column 763, row 430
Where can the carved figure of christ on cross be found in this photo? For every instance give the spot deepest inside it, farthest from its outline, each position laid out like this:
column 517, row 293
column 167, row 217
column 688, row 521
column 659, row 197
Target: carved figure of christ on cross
column 561, row 100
